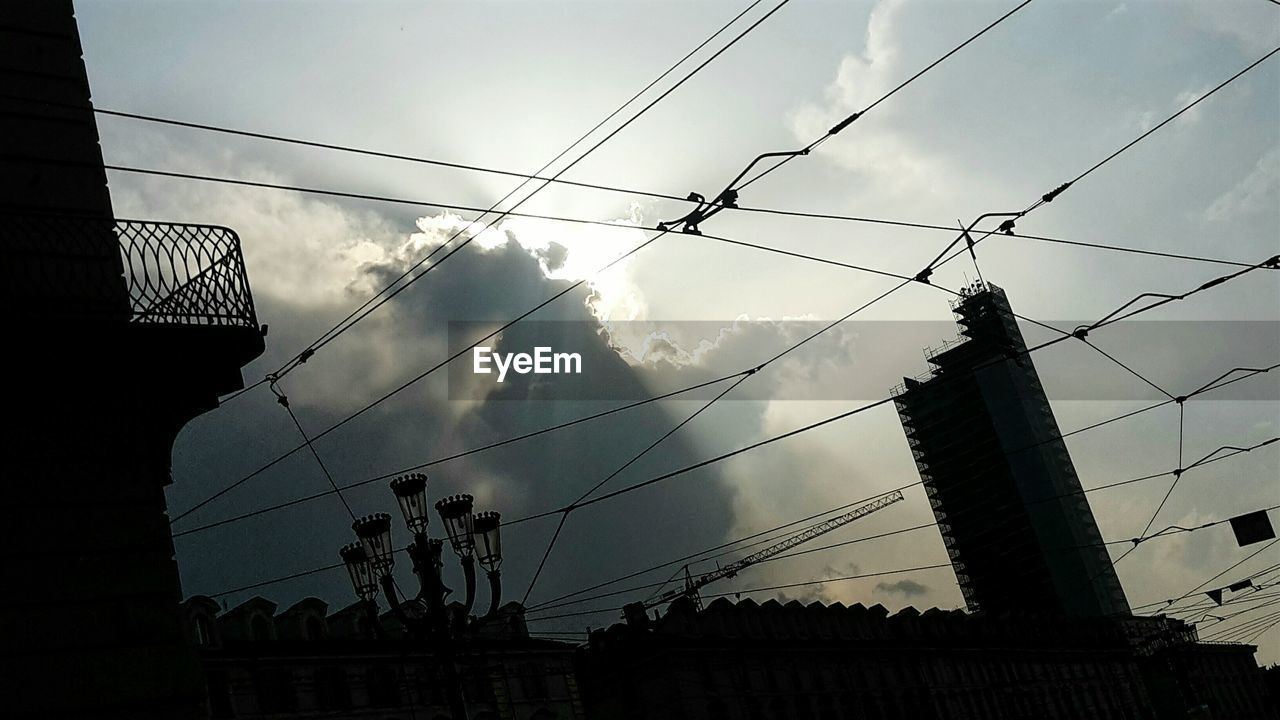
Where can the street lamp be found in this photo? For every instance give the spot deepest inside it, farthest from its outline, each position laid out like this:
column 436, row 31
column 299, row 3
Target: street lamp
column 364, row 581
column 459, row 523
column 411, row 494
column 489, row 553
column 473, row 536
column 374, row 532
column 361, row 572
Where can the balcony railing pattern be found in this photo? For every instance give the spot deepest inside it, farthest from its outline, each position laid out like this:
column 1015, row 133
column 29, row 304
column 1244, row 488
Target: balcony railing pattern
column 186, row 274
column 146, row 272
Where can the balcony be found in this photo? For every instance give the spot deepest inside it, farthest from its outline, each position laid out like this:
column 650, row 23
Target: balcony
column 185, row 274
column 142, row 272
column 167, row 297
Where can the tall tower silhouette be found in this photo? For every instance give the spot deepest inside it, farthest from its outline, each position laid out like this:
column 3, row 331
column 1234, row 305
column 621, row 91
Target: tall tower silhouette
column 117, row 333
column 1020, row 534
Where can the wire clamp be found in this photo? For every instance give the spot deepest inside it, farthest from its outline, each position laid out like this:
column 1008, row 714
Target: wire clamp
column 1049, row 196
column 841, row 125
column 691, row 220
column 1080, row 333
column 280, row 396
column 923, row 276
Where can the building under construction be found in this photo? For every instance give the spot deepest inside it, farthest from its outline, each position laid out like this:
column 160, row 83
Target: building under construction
column 1005, row 494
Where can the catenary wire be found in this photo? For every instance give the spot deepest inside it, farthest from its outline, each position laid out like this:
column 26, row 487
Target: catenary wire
column 1107, row 320
column 855, row 116
column 292, row 576
column 564, row 599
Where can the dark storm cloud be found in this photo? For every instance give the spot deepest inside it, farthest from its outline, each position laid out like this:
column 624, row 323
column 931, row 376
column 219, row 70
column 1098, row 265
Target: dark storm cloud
column 905, row 588
column 598, row 542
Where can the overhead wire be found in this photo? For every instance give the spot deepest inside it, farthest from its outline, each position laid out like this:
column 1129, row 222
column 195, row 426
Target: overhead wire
column 1167, row 298
column 1050, row 196
column 564, row 599
column 1170, row 603
column 844, row 123
column 1208, row 387
column 1107, row 320
column 1163, row 533
column 662, row 230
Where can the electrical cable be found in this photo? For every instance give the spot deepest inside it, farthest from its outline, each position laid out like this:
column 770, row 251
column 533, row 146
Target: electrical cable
column 1170, row 603
column 564, row 517
column 855, row 116
column 455, row 456
column 1050, row 196
column 788, row 555
column 770, row 588
column 1165, row 298
column 357, row 318
column 1208, row 387
column 1109, row 319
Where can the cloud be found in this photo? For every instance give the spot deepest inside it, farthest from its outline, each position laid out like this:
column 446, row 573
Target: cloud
column 906, row 588
column 1005, row 119
column 1257, row 194
column 310, row 261
column 1251, row 26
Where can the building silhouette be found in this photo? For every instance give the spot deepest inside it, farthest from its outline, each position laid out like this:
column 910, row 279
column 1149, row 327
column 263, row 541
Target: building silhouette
column 118, row 333
column 1009, row 505
column 775, row 661
column 307, row 662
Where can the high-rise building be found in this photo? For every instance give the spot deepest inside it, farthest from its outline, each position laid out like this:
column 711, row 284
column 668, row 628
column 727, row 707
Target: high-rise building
column 1019, row 531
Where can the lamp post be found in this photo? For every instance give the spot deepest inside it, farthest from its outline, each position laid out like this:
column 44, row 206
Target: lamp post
column 370, row 562
column 364, row 582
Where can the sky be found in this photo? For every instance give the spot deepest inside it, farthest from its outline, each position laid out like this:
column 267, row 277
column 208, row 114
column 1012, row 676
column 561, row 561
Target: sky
column 1033, row 103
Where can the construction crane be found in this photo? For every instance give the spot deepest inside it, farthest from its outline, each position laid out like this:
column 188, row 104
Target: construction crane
column 692, row 585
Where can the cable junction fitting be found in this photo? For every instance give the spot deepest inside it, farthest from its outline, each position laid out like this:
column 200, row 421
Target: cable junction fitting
column 280, row 396
column 1049, row 196
column 727, row 199
column 844, row 123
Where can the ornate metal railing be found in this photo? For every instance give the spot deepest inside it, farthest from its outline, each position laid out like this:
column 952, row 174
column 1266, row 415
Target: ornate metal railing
column 190, row 274
column 148, row 272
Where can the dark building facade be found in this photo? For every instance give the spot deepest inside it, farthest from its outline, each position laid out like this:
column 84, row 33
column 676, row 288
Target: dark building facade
column 118, row 333
column 749, row 661
column 305, row 662
column 1020, row 533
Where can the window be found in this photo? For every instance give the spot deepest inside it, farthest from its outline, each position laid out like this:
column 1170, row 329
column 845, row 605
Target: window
column 430, row 686
column 219, row 695
column 533, row 682
column 260, row 628
column 333, row 692
column 275, row 690
column 315, row 628
column 383, row 686
column 204, row 633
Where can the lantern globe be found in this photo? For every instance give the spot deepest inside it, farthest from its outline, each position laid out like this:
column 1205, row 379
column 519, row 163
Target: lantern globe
column 362, row 578
column 411, row 494
column 455, row 511
column 374, row 532
column 488, row 540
